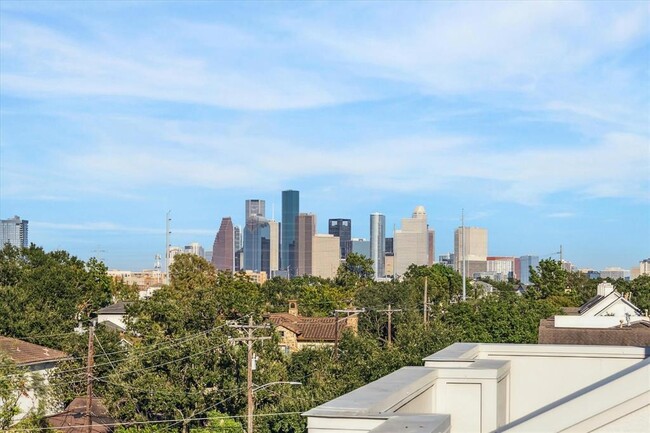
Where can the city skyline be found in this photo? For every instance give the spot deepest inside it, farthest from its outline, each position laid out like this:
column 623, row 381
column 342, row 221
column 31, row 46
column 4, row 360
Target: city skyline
column 107, row 125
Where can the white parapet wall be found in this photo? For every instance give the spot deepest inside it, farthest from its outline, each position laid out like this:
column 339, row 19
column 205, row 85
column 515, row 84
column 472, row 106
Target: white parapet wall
column 470, row 387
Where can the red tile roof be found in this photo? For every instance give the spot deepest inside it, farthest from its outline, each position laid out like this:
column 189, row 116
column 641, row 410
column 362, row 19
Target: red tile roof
column 309, row 328
column 24, row 353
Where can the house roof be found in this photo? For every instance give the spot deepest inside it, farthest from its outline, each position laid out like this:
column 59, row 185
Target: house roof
column 638, row 334
column 24, row 353
column 112, row 326
column 590, row 303
column 309, row 328
column 73, row 419
column 116, row 308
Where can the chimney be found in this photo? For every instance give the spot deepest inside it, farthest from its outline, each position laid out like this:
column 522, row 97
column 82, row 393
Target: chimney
column 293, row 307
column 605, row 289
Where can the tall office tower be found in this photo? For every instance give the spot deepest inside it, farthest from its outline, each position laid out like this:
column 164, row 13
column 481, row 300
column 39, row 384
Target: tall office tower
column 525, row 263
column 476, row 247
column 432, row 246
column 239, row 248
column 223, row 250
column 274, row 246
column 194, row 248
column 342, row 228
column 290, row 210
column 305, row 231
column 361, row 246
column 502, row 265
column 326, row 256
column 378, row 243
column 14, row 232
column 255, row 207
column 390, row 251
column 644, row 267
column 257, row 234
column 411, row 242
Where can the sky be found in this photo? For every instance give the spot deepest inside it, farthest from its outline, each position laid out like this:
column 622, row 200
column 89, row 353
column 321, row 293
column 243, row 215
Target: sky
column 533, row 117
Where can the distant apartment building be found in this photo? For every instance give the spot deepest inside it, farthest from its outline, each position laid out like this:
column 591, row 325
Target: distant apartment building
column 474, row 252
column 290, row 211
column 223, row 250
column 305, row 231
column 256, row 277
column 144, row 279
column 173, row 252
column 644, row 267
column 194, row 248
column 378, row 243
column 447, row 260
column 14, row 232
column 361, row 246
column 326, row 255
column 615, row 273
column 411, row 242
column 342, row 228
column 525, row 264
column 502, row 265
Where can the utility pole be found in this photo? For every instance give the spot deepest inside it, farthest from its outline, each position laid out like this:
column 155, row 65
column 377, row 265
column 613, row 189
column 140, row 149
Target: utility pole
column 89, row 374
column 390, row 312
column 250, row 339
column 425, row 301
column 352, row 311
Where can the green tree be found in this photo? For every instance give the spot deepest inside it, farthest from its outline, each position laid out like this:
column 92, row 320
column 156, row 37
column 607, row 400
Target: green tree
column 549, row 280
column 354, row 271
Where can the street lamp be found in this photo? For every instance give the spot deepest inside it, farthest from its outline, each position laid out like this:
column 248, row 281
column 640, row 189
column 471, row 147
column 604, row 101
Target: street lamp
column 251, row 404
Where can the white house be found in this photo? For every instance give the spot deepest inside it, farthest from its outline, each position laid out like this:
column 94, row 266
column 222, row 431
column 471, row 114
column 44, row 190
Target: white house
column 38, row 360
column 472, row 387
column 605, row 310
column 113, row 316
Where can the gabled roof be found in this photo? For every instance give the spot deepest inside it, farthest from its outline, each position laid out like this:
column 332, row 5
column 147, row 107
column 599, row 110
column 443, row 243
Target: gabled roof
column 73, row 419
column 117, row 308
column 590, row 303
column 24, row 353
column 309, row 328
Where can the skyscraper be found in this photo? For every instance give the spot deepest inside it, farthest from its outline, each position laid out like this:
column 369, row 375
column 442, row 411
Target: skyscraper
column 290, row 210
column 274, row 246
column 475, row 251
column 223, row 250
column 411, row 242
column 342, row 228
column 305, row 231
column 257, row 234
column 525, row 263
column 326, row 256
column 378, row 243
column 14, row 232
column 239, row 248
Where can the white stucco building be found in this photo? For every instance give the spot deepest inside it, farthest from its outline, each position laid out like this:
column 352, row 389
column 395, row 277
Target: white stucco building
column 471, row 387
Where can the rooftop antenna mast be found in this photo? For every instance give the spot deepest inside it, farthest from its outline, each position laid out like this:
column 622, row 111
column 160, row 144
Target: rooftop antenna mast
column 168, row 233
column 462, row 228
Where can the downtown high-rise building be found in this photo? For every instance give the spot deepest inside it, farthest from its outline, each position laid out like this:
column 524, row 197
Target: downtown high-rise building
column 326, row 255
column 342, row 229
column 238, row 239
column 411, row 242
column 290, row 211
column 274, row 246
column 305, row 231
column 257, row 238
column 378, row 243
column 223, row 249
column 474, row 251
column 523, row 271
column 14, row 232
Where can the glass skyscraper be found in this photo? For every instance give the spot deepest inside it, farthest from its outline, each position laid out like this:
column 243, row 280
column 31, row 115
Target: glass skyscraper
column 257, row 238
column 290, row 211
column 342, row 228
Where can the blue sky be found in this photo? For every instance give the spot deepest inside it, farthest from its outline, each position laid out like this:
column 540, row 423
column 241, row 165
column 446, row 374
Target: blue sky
column 532, row 116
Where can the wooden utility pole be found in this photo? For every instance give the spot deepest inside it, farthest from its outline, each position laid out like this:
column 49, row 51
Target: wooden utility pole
column 390, row 312
column 250, row 339
column 425, row 301
column 89, row 374
column 352, row 311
